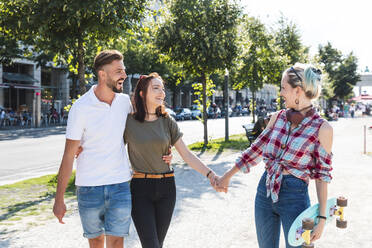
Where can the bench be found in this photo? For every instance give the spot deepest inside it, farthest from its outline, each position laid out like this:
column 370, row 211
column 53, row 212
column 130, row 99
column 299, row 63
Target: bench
column 249, row 132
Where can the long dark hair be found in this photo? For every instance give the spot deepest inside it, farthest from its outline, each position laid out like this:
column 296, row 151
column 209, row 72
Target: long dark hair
column 139, row 102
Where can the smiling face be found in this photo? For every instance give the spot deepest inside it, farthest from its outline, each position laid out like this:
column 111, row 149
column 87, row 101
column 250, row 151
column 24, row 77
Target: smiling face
column 114, row 75
column 155, row 93
column 288, row 93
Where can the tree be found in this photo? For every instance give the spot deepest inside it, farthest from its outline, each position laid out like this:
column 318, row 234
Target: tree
column 346, row 77
column 141, row 55
column 330, row 58
column 62, row 29
column 200, row 34
column 341, row 70
column 9, row 48
column 288, row 39
column 259, row 59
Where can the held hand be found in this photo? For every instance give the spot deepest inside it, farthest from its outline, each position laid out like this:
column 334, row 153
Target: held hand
column 213, row 179
column 168, row 158
column 318, row 230
column 223, row 183
column 59, row 210
column 80, row 150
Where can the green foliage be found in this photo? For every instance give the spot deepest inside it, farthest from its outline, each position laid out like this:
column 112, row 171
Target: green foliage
column 330, row 58
column 346, row 77
column 30, row 197
column 341, row 72
column 71, row 183
column 201, row 36
column 237, row 142
column 198, row 90
column 56, row 30
column 260, row 61
column 288, row 39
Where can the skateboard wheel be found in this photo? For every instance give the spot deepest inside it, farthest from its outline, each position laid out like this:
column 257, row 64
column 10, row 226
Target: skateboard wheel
column 341, row 223
column 341, row 201
column 311, row 245
column 307, row 224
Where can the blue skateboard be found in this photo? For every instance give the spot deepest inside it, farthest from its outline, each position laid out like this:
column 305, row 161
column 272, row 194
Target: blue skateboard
column 299, row 233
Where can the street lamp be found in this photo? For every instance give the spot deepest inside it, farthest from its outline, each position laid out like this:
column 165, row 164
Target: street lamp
column 226, row 93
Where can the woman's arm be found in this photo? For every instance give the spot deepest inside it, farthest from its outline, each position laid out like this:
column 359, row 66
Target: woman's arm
column 326, row 139
column 224, row 181
column 194, row 162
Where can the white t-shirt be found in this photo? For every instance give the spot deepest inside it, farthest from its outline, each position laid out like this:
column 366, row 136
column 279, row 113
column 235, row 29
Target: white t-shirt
column 100, row 128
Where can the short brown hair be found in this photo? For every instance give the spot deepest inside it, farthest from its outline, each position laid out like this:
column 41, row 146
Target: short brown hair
column 106, row 57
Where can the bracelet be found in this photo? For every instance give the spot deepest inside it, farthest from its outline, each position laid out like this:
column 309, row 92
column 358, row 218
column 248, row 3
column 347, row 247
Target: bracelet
column 210, row 171
column 322, row 217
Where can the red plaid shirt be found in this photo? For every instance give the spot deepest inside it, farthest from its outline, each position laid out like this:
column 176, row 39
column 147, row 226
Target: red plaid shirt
column 298, row 151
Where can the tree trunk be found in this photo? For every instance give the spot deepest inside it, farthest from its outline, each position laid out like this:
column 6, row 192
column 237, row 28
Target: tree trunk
column 205, row 116
column 254, row 106
column 174, row 93
column 81, row 67
column 74, row 86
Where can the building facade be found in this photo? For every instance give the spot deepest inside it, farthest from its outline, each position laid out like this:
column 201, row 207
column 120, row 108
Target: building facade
column 27, row 89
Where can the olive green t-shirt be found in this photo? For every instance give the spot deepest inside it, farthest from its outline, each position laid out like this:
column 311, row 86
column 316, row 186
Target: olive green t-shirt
column 149, row 141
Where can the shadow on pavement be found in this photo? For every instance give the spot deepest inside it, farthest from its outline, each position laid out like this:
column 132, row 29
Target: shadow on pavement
column 191, row 184
column 14, row 209
column 31, row 133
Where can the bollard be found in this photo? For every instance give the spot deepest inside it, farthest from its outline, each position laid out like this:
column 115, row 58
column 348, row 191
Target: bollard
column 365, row 139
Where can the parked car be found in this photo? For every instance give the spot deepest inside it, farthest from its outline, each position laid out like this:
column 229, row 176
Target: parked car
column 183, row 114
column 195, row 112
column 170, row 112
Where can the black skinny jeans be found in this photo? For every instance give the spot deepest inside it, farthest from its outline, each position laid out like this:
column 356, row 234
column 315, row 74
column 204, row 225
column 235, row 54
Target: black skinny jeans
column 153, row 203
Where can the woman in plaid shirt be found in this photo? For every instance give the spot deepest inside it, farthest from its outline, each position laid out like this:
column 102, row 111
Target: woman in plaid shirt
column 295, row 147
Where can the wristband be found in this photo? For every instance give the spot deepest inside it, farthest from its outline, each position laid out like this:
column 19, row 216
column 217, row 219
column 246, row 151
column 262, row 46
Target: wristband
column 322, row 217
column 208, row 173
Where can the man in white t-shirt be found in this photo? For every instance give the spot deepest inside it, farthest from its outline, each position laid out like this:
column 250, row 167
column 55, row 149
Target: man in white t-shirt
column 96, row 121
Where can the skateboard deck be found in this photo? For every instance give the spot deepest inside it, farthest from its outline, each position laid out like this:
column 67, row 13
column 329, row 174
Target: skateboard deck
column 296, row 230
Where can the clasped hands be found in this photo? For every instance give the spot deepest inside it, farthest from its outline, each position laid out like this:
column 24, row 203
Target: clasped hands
column 220, row 184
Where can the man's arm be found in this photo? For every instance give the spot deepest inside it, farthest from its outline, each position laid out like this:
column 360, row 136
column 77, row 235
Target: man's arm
column 64, row 174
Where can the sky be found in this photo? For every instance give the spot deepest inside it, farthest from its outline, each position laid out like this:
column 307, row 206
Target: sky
column 346, row 24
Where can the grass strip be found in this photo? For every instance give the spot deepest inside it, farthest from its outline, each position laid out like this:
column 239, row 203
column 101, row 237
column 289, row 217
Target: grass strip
column 238, row 142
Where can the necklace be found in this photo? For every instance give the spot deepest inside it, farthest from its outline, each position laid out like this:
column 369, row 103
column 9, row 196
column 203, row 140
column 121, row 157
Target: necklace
column 151, row 113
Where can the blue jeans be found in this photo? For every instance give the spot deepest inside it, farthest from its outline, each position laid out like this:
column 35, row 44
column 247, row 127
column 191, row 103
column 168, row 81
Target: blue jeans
column 293, row 199
column 105, row 209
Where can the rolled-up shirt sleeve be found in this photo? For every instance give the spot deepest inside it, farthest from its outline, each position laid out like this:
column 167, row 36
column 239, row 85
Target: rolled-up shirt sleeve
column 323, row 164
column 253, row 154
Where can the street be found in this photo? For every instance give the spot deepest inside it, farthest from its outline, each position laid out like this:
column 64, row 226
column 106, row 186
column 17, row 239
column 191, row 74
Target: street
column 28, row 154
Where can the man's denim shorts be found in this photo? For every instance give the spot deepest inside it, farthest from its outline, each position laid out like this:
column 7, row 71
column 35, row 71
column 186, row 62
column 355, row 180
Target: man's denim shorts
column 105, row 209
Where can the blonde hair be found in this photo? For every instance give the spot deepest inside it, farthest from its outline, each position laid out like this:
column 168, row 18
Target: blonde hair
column 307, row 77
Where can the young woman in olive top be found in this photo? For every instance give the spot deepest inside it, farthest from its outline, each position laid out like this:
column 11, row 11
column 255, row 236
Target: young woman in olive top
column 149, row 132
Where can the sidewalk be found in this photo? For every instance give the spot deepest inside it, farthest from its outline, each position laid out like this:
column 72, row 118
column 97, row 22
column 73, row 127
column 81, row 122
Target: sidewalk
column 206, row 219
column 11, row 134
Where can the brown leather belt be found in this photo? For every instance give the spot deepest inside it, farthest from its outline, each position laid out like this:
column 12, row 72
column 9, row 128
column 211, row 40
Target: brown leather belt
column 149, row 175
